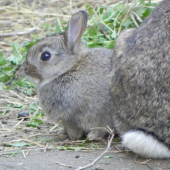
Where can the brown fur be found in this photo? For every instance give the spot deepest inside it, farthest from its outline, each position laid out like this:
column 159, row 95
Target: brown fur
column 140, row 77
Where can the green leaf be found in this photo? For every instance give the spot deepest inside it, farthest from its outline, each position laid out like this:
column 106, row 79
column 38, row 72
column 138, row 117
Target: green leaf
column 114, row 35
column 1, row 86
column 32, row 124
column 78, row 149
column 89, row 10
column 6, row 77
column 109, row 156
column 16, row 57
column 57, row 27
column 28, row 45
column 18, row 106
column 70, row 148
column 140, row 11
column 93, row 145
column 86, row 141
column 46, row 26
column 128, row 23
column 33, row 107
column 17, row 144
column 30, row 91
column 37, row 121
column 13, row 154
column 2, row 60
column 110, row 44
column 4, row 112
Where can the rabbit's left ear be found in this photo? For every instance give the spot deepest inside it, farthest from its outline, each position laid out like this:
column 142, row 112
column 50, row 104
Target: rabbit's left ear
column 76, row 28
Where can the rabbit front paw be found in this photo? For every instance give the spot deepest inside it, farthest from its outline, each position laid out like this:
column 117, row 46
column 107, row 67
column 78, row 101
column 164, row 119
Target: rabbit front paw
column 74, row 133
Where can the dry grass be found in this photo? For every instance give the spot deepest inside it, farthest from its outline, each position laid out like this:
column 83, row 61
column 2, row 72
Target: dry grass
column 21, row 15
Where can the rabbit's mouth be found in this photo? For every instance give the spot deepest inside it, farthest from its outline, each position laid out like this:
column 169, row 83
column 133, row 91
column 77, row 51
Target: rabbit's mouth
column 30, row 71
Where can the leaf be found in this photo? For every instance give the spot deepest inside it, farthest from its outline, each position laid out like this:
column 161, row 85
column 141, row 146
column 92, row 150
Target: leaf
column 16, row 57
column 89, row 10
column 138, row 17
column 37, row 121
column 4, row 112
column 18, row 106
column 133, row 19
column 46, row 26
column 109, row 156
column 77, row 149
column 141, row 11
column 86, row 141
column 1, row 86
column 70, row 148
column 110, row 44
column 28, row 45
column 33, row 106
column 17, row 144
column 92, row 145
column 30, row 91
column 148, row 11
column 57, row 27
column 114, row 35
column 128, row 23
column 12, row 154
column 2, row 60
column 32, row 124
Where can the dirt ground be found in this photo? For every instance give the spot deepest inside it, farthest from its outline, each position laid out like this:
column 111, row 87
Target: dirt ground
column 55, row 160
column 49, row 151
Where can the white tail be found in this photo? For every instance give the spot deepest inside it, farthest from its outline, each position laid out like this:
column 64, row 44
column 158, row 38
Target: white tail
column 145, row 144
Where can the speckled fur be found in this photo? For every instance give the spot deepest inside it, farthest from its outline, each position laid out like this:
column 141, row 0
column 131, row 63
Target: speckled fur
column 74, row 83
column 140, row 79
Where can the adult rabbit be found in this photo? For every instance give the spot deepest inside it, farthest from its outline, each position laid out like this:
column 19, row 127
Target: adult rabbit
column 140, row 85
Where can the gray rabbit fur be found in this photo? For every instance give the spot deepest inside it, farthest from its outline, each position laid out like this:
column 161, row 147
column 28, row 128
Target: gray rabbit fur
column 140, row 85
column 72, row 81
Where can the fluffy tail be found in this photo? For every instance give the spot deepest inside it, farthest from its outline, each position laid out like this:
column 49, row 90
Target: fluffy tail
column 145, row 144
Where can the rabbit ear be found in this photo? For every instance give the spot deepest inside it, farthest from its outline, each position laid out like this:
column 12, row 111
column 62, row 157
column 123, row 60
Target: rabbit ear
column 76, row 28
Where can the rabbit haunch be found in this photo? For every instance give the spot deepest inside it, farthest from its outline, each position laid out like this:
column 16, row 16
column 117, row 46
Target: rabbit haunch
column 72, row 80
column 140, row 85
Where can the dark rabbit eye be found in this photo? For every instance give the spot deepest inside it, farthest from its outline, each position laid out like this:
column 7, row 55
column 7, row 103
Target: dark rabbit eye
column 45, row 56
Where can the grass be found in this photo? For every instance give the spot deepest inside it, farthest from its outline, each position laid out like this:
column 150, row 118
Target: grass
column 104, row 25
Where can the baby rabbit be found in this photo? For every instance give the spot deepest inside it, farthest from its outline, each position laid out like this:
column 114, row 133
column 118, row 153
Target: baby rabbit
column 140, row 85
column 72, row 81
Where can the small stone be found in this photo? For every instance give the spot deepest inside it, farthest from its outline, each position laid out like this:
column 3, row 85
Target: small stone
column 24, row 115
column 4, row 122
column 77, row 156
column 26, row 130
column 98, row 168
column 38, row 127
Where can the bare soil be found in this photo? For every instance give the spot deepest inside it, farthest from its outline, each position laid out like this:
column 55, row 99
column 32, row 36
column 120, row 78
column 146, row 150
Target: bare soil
column 54, row 159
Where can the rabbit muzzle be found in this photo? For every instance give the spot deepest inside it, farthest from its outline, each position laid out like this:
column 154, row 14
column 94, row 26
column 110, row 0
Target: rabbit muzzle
column 31, row 72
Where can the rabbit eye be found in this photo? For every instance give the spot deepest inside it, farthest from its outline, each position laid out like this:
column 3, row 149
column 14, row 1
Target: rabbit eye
column 45, row 56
